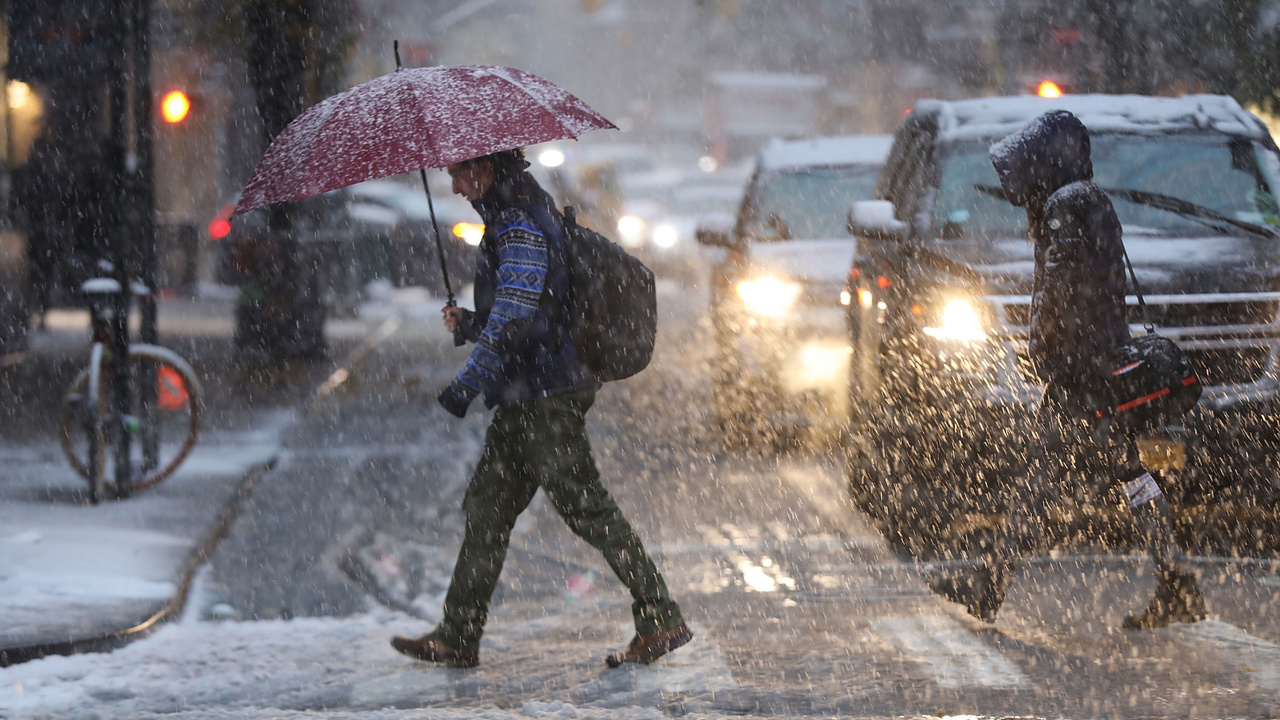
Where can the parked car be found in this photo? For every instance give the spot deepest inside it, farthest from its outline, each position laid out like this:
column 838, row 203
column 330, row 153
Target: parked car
column 376, row 229
column 336, row 246
column 780, row 346
column 939, row 294
column 416, row 259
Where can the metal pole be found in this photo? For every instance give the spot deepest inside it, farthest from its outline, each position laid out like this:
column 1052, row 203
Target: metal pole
column 143, row 204
column 117, row 147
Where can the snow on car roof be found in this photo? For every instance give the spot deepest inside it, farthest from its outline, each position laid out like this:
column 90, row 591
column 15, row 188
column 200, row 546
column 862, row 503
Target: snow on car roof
column 839, row 150
column 998, row 116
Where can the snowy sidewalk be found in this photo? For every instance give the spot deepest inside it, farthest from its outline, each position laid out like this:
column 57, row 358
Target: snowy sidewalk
column 72, row 574
column 75, row 576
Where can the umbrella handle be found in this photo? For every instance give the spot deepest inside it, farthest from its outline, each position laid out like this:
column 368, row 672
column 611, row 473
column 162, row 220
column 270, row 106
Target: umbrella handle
column 458, row 339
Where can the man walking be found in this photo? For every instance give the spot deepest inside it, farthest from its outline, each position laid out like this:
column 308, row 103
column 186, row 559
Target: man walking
column 524, row 363
column 1077, row 313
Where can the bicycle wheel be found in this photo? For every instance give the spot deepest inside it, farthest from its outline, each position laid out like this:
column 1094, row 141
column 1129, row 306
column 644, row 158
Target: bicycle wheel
column 164, row 432
column 83, row 425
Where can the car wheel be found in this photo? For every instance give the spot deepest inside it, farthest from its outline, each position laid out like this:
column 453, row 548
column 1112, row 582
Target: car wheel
column 926, row 475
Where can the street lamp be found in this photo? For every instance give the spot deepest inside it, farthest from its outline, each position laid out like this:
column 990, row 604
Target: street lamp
column 175, row 106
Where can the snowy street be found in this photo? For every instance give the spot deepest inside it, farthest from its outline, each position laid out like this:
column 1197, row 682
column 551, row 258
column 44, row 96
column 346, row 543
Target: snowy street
column 798, row 606
column 928, row 352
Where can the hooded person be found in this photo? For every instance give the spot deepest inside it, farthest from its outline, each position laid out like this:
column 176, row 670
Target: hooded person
column 1077, row 313
column 525, row 366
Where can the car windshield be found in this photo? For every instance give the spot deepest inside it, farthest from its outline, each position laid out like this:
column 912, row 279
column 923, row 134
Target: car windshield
column 1226, row 178
column 809, row 203
column 711, row 200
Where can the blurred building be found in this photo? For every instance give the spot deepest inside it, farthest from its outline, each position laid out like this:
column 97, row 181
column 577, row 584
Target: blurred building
column 657, row 67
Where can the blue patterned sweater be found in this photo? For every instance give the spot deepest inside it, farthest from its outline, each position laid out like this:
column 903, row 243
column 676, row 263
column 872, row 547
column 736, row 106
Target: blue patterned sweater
column 522, row 352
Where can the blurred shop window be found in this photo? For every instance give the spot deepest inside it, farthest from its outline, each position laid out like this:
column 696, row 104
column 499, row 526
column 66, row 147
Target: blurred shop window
column 24, row 110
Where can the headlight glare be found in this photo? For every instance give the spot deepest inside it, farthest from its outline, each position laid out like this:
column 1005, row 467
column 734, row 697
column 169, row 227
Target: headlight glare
column 959, row 320
column 768, row 296
column 665, row 235
column 631, row 228
column 471, row 233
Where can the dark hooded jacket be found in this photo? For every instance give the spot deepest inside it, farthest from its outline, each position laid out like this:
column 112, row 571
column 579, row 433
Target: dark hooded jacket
column 1077, row 299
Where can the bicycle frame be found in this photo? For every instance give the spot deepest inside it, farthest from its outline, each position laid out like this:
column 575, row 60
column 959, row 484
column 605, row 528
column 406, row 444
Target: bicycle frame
column 124, row 377
column 109, row 319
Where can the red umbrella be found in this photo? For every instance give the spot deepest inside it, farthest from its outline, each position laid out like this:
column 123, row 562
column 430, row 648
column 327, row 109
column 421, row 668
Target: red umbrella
column 412, row 119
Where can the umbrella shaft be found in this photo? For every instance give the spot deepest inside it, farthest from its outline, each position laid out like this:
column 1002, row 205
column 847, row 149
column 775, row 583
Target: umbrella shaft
column 444, row 271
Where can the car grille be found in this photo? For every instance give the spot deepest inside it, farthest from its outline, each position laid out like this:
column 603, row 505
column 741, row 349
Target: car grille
column 1206, row 315
column 1233, row 366
column 1215, row 366
column 1180, row 314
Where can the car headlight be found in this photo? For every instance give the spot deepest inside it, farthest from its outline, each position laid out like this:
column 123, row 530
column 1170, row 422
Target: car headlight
column 769, row 296
column 665, row 235
column 471, row 233
column 959, row 320
column 631, row 228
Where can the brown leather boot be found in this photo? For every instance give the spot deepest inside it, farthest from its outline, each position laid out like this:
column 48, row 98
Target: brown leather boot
column 1177, row 600
column 432, row 649
column 979, row 590
column 644, row 649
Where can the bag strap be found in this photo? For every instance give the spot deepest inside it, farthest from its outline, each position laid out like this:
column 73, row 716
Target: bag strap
column 1137, row 290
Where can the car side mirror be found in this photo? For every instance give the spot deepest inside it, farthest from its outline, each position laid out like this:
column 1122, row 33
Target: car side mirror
column 877, row 220
column 714, row 233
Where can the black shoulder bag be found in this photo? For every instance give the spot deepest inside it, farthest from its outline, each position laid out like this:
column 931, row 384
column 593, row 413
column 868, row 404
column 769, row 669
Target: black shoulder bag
column 1146, row 382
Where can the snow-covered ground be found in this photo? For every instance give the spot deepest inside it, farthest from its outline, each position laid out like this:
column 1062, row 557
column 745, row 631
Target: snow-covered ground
column 300, row 667
column 67, row 567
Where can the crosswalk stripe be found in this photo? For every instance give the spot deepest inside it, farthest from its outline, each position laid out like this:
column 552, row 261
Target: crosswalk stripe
column 1258, row 657
column 714, row 544
column 950, row 654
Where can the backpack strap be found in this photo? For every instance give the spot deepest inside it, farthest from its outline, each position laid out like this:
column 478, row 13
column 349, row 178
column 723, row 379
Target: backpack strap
column 555, row 308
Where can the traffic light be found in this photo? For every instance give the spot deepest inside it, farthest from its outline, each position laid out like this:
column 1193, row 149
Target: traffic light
column 175, row 107
column 1049, row 89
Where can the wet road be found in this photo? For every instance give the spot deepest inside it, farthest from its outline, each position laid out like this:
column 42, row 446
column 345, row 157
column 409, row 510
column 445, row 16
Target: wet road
column 799, row 606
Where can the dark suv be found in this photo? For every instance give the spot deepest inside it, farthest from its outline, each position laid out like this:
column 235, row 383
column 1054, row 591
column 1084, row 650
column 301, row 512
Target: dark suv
column 941, row 287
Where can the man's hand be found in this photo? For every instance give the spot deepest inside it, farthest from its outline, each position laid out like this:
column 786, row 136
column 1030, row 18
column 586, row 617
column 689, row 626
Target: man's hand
column 453, row 400
column 452, row 316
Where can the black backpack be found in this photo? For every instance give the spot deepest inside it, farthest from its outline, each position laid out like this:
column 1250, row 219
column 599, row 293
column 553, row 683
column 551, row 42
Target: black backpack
column 612, row 307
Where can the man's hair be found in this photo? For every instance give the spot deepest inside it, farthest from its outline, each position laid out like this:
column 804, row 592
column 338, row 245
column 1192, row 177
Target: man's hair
column 505, row 163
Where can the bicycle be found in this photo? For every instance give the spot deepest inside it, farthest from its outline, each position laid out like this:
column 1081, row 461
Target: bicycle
column 157, row 402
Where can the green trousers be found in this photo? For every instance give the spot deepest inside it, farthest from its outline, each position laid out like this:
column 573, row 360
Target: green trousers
column 543, row 443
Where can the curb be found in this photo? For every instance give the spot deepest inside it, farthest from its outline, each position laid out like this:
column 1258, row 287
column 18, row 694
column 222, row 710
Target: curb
column 173, row 608
column 112, row 640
